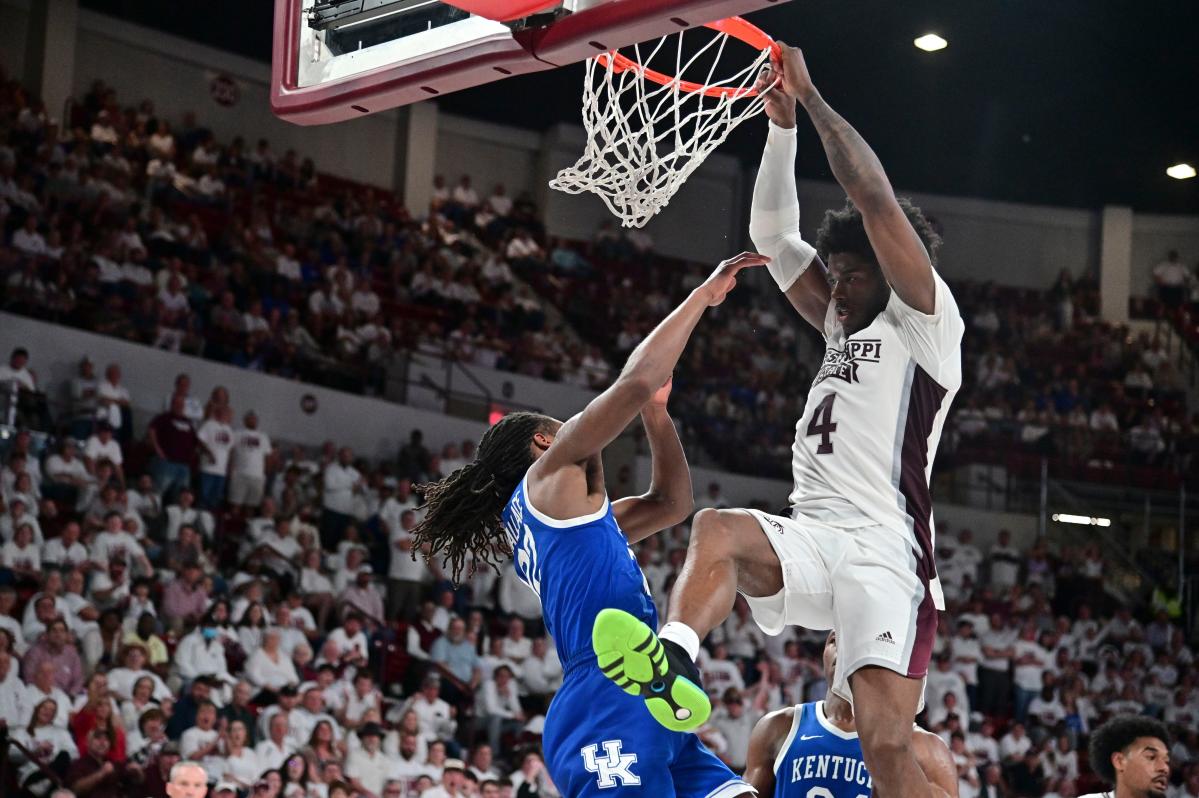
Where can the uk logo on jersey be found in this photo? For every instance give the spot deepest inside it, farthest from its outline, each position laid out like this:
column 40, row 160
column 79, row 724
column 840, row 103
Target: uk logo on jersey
column 843, row 363
column 616, row 765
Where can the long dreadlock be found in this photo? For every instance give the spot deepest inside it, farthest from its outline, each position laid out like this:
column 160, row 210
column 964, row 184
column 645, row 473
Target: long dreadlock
column 463, row 511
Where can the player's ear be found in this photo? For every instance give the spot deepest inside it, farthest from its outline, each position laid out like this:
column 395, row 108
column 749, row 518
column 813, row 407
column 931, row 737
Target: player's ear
column 542, row 440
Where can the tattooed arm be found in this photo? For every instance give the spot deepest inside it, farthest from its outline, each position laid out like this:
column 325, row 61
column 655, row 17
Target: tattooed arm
column 902, row 256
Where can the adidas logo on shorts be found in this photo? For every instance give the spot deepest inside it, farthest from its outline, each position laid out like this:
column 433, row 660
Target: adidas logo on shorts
column 885, row 637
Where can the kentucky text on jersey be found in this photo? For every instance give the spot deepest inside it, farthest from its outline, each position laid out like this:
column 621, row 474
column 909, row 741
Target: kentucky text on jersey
column 830, row 766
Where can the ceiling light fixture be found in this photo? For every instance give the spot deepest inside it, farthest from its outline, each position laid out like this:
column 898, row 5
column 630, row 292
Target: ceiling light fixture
column 1085, row 520
column 931, row 42
column 1181, row 171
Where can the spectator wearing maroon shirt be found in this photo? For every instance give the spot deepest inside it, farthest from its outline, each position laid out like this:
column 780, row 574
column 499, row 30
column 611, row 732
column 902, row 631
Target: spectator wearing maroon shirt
column 92, row 775
column 175, row 443
column 158, row 772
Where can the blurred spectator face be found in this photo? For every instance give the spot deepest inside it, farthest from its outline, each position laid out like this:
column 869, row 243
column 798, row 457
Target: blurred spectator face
column 278, row 727
column 516, row 629
column 206, row 717
column 178, row 403
column 457, row 630
column 98, row 744
column 345, row 456
column 407, row 745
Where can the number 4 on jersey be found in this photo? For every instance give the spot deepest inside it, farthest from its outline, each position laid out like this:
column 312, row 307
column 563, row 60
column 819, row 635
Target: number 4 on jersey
column 822, row 424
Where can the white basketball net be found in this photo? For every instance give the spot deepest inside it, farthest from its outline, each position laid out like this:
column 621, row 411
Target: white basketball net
column 645, row 139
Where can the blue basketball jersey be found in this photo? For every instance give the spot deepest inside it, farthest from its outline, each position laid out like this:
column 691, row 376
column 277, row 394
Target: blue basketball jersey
column 577, row 567
column 600, row 742
column 819, row 760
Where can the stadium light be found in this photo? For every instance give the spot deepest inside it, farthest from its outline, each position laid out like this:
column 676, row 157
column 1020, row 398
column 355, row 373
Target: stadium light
column 931, row 42
column 1181, row 171
column 1085, row 520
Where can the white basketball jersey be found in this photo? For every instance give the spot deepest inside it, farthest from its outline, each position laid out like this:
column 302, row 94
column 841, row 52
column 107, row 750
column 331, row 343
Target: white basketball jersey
column 865, row 443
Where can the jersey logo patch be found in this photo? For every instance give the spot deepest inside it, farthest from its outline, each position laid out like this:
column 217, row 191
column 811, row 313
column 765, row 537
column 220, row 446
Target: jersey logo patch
column 843, row 363
column 885, row 637
column 810, row 736
column 615, row 766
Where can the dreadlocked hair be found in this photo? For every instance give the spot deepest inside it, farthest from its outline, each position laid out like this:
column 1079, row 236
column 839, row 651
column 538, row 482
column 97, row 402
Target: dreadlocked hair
column 845, row 231
column 463, row 511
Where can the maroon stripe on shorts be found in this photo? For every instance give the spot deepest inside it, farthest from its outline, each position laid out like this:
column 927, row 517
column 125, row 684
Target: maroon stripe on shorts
column 924, row 400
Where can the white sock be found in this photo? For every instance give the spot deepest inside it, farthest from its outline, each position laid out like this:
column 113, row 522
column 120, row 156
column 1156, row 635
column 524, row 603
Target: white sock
column 683, row 635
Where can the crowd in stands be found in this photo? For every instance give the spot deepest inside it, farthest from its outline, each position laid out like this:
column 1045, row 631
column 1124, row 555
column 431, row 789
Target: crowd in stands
column 201, row 591
column 124, row 224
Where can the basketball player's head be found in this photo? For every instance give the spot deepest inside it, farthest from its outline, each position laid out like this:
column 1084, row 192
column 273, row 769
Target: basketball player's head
column 1132, row 753
column 463, row 510
column 859, row 289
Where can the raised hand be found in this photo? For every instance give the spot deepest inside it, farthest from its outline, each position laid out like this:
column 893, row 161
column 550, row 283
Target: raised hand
column 797, row 82
column 721, row 281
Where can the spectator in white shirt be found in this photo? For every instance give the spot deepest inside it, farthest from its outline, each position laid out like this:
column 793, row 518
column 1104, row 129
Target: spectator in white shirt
column 27, row 239
column 17, row 370
column 247, row 468
column 1003, row 561
column 464, row 194
column 1171, row 276
column 68, row 477
column 541, row 673
column 498, row 706
column 342, row 481
column 103, row 446
column 216, row 435
column 113, row 400
column 270, row 668
column 516, row 647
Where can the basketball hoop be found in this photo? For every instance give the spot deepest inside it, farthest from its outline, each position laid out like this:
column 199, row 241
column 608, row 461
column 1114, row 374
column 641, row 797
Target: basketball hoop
column 648, row 131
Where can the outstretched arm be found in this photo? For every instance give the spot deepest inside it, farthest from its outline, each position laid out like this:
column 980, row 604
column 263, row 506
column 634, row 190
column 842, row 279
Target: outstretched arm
column 669, row 499
column 902, row 256
column 774, row 214
column 647, row 369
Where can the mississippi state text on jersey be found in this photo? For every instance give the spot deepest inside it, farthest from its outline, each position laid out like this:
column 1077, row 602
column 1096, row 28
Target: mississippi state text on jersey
column 865, row 443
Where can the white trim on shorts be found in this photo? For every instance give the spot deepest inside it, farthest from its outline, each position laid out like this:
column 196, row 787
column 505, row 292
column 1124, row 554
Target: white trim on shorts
column 732, row 788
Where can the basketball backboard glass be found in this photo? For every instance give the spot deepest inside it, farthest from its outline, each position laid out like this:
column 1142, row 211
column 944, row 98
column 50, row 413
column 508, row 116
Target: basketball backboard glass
column 340, row 59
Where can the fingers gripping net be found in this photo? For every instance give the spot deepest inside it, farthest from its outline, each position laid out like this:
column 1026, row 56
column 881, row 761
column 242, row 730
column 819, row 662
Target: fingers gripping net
column 644, row 139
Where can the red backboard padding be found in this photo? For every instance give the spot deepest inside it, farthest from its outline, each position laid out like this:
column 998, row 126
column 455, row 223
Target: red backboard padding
column 502, row 10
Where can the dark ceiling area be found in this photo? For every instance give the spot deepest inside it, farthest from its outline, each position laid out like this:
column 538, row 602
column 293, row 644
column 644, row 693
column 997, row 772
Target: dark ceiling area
column 1080, row 103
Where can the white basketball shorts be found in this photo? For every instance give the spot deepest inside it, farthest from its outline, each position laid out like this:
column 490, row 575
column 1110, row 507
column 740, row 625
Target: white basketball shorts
column 866, row 583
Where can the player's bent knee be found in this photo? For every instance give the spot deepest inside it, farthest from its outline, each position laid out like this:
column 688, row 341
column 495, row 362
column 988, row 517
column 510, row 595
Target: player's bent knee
column 709, row 527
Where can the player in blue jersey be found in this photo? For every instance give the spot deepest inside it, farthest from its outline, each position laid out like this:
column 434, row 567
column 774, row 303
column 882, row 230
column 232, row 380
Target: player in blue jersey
column 535, row 491
column 812, row 750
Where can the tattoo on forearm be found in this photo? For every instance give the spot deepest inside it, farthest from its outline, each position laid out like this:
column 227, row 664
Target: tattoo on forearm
column 854, row 164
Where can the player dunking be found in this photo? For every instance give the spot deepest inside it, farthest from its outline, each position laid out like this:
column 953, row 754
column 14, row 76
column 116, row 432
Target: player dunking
column 536, row 490
column 856, row 554
column 812, row 750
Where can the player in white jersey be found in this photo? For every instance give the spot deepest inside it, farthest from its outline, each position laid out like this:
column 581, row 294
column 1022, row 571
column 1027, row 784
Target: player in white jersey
column 1131, row 752
column 856, row 552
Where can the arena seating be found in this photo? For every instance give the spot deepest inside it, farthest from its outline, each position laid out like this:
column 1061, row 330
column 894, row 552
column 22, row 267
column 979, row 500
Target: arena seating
column 288, row 590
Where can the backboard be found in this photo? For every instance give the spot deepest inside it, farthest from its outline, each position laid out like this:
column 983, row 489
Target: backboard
column 340, row 59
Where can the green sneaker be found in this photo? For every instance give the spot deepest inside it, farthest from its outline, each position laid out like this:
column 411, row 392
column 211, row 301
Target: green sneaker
column 631, row 655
